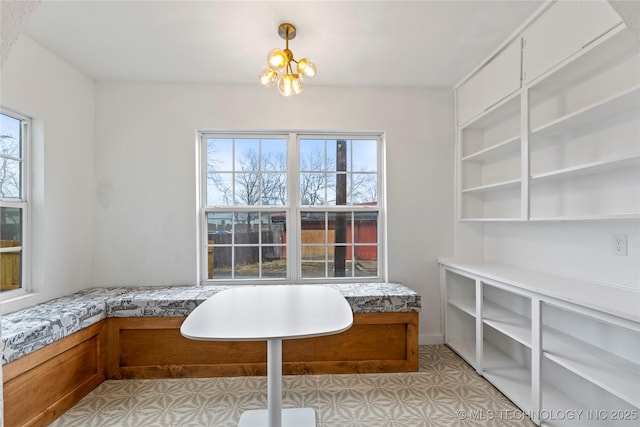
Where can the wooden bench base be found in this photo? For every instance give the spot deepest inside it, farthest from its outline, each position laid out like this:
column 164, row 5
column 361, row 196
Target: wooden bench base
column 152, row 347
column 39, row 387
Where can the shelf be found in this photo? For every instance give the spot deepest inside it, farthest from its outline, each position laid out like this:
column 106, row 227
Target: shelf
column 507, row 375
column 496, row 150
column 614, row 374
column 615, row 300
column 555, row 401
column 608, row 107
column 632, row 160
column 495, row 186
column 508, row 322
column 611, row 217
column 467, row 305
column 506, row 219
column 561, row 402
column 508, row 107
column 609, row 49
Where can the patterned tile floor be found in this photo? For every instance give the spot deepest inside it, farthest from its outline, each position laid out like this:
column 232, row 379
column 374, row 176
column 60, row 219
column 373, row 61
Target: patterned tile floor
column 445, row 392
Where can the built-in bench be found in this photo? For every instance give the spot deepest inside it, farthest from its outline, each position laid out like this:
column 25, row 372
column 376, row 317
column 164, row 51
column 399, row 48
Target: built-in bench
column 54, row 353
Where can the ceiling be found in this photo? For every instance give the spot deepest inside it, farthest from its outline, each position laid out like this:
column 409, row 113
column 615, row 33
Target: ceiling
column 372, row 43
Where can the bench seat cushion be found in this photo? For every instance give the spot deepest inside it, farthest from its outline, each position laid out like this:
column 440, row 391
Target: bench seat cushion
column 150, row 301
column 28, row 330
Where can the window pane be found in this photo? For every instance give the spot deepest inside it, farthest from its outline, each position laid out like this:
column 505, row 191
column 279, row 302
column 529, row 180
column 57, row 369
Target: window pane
column 10, row 237
column 10, row 178
column 366, row 261
column 336, row 189
column 274, row 189
column 340, row 261
column 219, row 155
column 11, row 226
column 219, row 262
column 313, row 229
column 274, row 262
column 247, row 190
column 363, row 189
column 274, row 155
column 246, row 264
column 219, row 245
column 340, row 227
column 365, row 234
column 246, row 154
column 365, row 156
column 312, row 155
column 366, row 227
column 273, row 228
column 11, row 269
column 312, row 189
column 314, row 264
column 10, row 137
column 246, row 228
column 219, row 189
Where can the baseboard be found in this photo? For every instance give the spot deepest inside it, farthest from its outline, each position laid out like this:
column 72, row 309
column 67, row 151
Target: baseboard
column 430, row 339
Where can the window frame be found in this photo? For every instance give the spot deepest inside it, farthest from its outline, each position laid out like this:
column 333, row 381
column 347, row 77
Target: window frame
column 23, row 204
column 293, row 208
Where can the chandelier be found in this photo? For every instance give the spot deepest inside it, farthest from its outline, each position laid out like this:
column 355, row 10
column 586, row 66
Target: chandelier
column 280, row 68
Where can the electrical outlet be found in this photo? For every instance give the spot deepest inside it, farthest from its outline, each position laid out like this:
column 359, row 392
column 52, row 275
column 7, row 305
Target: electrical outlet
column 619, row 243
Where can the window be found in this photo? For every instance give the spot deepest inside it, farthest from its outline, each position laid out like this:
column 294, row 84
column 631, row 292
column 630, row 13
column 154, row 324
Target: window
column 291, row 207
column 14, row 131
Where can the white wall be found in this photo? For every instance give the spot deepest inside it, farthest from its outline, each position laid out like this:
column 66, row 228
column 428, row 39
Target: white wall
column 60, row 100
column 145, row 172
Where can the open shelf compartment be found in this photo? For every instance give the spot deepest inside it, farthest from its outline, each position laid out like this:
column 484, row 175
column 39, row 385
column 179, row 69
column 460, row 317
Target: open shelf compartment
column 602, row 353
column 570, row 400
column 508, row 313
column 507, row 365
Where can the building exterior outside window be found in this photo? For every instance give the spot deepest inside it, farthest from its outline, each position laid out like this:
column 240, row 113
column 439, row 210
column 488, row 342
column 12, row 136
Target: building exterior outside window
column 291, row 207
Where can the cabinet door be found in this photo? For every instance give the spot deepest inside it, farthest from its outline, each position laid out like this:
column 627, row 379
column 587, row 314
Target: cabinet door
column 553, row 37
column 501, row 76
column 470, row 101
column 598, row 17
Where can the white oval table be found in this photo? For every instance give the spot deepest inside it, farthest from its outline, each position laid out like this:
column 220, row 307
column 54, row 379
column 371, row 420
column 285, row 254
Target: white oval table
column 271, row 313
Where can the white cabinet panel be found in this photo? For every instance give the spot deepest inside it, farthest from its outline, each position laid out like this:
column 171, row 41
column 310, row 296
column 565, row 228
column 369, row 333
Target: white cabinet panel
column 598, row 17
column 499, row 78
column 553, row 37
column 470, row 102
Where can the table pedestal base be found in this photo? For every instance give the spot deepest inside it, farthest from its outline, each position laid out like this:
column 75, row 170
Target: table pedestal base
column 291, row 417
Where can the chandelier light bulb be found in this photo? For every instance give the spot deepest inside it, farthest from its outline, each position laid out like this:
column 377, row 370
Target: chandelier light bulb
column 306, row 68
column 277, row 58
column 298, row 84
column 284, row 69
column 285, row 84
column 268, row 76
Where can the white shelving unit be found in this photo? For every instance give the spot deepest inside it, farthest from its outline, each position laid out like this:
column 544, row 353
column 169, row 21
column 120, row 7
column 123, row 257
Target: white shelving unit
column 586, row 356
column 584, row 121
column 490, row 171
column 564, row 145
